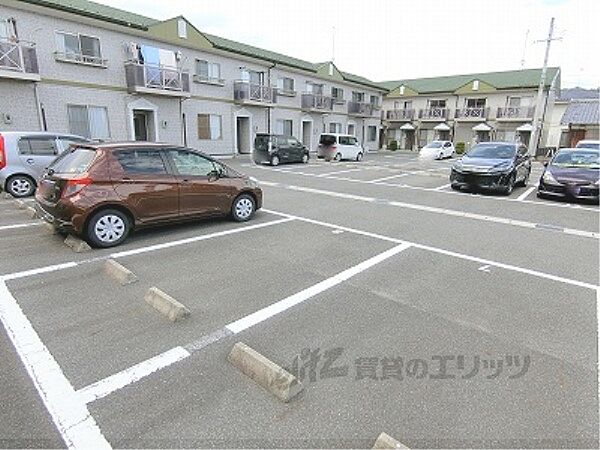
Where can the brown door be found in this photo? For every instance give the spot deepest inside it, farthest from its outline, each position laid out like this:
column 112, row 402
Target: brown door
column 202, row 190
column 576, row 136
column 145, row 184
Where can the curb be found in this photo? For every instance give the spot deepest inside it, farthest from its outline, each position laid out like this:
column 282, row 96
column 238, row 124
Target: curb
column 385, row 441
column 264, row 372
column 76, row 244
column 119, row 272
column 166, row 305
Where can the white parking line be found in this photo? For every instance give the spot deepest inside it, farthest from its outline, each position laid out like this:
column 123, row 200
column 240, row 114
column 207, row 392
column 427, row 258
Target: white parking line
column 21, row 225
column 70, row 415
column 150, row 248
column 442, row 251
column 445, row 186
column 323, row 175
column 525, row 194
column 444, row 211
column 379, row 180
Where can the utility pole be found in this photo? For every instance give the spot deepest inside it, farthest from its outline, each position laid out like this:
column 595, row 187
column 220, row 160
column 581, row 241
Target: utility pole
column 535, row 133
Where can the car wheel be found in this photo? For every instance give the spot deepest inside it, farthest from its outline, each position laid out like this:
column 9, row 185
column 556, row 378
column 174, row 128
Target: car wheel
column 304, row 158
column 108, row 228
column 455, row 187
column 337, row 157
column 511, row 185
column 20, row 186
column 359, row 157
column 274, row 160
column 243, row 208
column 526, row 179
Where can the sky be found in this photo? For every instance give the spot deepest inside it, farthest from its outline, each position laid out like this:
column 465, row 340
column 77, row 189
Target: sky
column 399, row 39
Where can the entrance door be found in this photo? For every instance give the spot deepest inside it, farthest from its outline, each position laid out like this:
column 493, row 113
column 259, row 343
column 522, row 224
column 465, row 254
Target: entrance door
column 242, row 130
column 140, row 125
column 307, row 134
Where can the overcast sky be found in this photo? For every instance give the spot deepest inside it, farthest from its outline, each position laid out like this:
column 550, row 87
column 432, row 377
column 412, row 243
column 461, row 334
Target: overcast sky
column 396, row 39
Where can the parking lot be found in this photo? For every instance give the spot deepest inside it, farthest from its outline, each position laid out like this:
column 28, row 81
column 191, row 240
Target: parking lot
column 443, row 318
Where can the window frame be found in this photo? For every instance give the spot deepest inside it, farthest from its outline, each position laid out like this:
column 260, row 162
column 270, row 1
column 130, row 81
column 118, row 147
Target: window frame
column 78, row 58
column 89, row 132
column 34, row 137
column 210, row 137
column 281, row 89
column 161, row 155
column 174, row 168
column 369, row 128
column 208, row 79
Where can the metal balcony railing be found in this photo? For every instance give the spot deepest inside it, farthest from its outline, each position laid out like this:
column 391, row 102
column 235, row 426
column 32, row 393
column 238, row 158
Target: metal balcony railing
column 156, row 77
column 317, row 102
column 471, row 113
column 400, row 114
column 244, row 91
column 360, row 108
column 80, row 58
column 433, row 113
column 18, row 56
column 515, row 112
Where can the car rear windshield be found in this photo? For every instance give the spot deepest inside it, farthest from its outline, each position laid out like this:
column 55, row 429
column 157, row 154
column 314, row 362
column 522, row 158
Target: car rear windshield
column 262, row 142
column 492, row 151
column 589, row 160
column 75, row 160
column 594, row 145
column 327, row 139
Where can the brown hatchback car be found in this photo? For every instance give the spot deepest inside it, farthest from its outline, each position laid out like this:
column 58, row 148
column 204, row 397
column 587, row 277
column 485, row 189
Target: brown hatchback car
column 101, row 192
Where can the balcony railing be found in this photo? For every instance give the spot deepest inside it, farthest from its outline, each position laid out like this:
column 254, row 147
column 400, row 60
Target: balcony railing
column 244, row 92
column 18, row 60
column 156, row 79
column 360, row 109
column 208, row 80
column 433, row 114
column 317, row 102
column 79, row 58
column 400, row 114
column 472, row 113
column 515, row 112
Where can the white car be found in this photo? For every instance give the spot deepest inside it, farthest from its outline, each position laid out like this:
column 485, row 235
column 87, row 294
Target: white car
column 437, row 150
column 339, row 146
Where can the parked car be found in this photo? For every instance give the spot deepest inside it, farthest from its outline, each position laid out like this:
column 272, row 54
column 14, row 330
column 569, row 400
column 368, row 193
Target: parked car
column 437, row 150
column 276, row 149
column 496, row 166
column 25, row 155
column 572, row 173
column 588, row 143
column 101, row 192
column 339, row 146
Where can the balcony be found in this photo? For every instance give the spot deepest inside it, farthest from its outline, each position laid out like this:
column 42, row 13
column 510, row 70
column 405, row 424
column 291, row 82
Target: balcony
column 248, row 93
column 517, row 113
column 156, row 80
column 435, row 114
column 400, row 115
column 204, row 79
column 317, row 103
column 360, row 109
column 471, row 114
column 18, row 60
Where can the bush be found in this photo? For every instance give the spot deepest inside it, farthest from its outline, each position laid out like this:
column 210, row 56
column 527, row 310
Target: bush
column 393, row 145
column 460, row 148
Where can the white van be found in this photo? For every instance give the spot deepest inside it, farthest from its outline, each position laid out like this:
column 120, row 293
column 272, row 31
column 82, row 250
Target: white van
column 339, row 146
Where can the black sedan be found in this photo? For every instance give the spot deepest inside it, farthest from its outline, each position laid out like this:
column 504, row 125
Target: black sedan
column 498, row 166
column 573, row 173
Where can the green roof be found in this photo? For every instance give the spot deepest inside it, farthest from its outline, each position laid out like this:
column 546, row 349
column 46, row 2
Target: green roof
column 97, row 11
column 500, row 80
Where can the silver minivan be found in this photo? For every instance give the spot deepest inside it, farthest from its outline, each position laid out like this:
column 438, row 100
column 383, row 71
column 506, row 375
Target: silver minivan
column 25, row 155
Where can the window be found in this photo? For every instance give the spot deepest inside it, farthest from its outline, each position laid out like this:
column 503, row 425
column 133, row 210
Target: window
column 73, row 161
column 285, row 85
column 351, row 129
column 374, row 100
column 182, row 28
column 337, row 93
column 371, row 133
column 253, row 76
column 475, row 85
column 67, row 141
column 141, row 162
column 208, row 71
column 475, row 103
column 38, row 145
column 335, row 127
column 189, row 163
column 358, row 96
column 314, row 88
column 284, row 127
column 437, row 104
column 407, row 104
column 209, row 127
column 401, row 90
column 89, row 121
column 78, row 48
column 348, row 140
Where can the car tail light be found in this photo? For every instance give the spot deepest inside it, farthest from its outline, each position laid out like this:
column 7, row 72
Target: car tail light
column 2, row 153
column 74, row 185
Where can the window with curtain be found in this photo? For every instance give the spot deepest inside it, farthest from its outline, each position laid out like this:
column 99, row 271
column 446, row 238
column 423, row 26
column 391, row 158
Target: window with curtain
column 89, row 121
column 285, row 84
column 78, row 47
column 284, row 127
column 371, row 133
column 209, row 127
column 337, row 93
column 208, row 71
column 358, row 96
column 335, row 127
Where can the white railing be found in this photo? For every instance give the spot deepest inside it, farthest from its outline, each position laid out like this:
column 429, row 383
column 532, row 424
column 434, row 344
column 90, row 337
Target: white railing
column 156, row 77
column 317, row 101
column 247, row 91
column 18, row 56
column 80, row 58
column 471, row 113
column 515, row 112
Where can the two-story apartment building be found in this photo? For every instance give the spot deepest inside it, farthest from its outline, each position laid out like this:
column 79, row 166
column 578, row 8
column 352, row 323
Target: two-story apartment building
column 108, row 74
column 466, row 108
